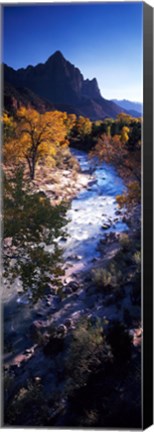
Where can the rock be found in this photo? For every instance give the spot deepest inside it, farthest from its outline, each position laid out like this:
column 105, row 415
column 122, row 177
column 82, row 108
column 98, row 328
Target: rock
column 138, row 332
column 48, row 303
column 63, row 239
column 39, row 314
column 124, row 219
column 68, row 323
column 28, row 351
column 12, row 262
column 95, row 259
column 66, row 172
column 67, row 290
column 73, row 285
column 106, row 226
column 118, row 212
column 92, row 182
column 8, row 241
column 62, row 330
column 78, row 257
column 42, row 193
column 13, row 248
column 37, row 379
column 37, row 326
column 72, row 257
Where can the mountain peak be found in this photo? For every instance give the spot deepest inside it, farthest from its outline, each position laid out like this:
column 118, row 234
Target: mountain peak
column 62, row 84
column 56, row 55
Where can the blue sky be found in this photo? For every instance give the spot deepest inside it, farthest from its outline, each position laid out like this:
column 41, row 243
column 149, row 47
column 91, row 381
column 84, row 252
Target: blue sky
column 103, row 39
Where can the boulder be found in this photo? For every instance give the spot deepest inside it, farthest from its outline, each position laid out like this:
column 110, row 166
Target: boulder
column 63, row 239
column 68, row 323
column 106, row 226
column 73, row 285
column 8, row 241
column 67, row 290
column 62, row 330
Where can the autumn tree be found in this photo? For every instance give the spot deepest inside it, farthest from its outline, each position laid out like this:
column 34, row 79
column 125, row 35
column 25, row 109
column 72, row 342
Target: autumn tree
column 115, row 149
column 69, row 121
column 124, row 119
column 83, row 127
column 124, row 134
column 37, row 136
column 8, row 127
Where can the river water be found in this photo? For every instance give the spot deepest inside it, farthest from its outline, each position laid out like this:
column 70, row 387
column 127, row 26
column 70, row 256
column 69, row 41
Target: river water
column 93, row 212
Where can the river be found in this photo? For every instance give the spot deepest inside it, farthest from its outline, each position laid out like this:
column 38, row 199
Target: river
column 93, row 213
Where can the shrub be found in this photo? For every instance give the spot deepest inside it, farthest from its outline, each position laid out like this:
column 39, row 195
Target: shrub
column 137, row 258
column 101, row 277
column 109, row 277
column 85, row 353
column 28, row 407
column 125, row 242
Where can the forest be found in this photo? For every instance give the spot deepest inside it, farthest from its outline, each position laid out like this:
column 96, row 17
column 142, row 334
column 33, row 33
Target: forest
column 71, row 270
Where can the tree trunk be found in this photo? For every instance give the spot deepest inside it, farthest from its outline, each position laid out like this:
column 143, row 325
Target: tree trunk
column 31, row 164
column 32, row 171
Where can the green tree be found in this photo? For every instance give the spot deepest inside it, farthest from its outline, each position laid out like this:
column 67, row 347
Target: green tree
column 32, row 224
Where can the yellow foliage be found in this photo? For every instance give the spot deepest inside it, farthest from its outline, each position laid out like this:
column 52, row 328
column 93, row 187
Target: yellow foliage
column 124, row 134
column 8, row 127
column 38, row 136
column 69, row 120
column 84, row 126
column 132, row 196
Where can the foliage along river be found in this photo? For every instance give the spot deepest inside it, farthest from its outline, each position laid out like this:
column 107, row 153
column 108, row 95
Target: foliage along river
column 91, row 215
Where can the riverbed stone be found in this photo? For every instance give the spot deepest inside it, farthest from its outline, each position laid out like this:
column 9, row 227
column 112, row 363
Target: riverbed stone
column 73, row 285
column 67, row 290
column 106, row 226
column 8, row 241
column 68, row 323
column 62, row 330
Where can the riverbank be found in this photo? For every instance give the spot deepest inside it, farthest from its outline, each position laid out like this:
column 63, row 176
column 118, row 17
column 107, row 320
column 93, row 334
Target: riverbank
column 99, row 286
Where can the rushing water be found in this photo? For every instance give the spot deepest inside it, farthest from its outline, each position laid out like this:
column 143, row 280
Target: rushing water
column 91, row 215
column 93, row 209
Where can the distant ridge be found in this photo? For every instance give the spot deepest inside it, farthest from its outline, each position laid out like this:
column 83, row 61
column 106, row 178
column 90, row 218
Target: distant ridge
column 58, row 83
column 134, row 107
